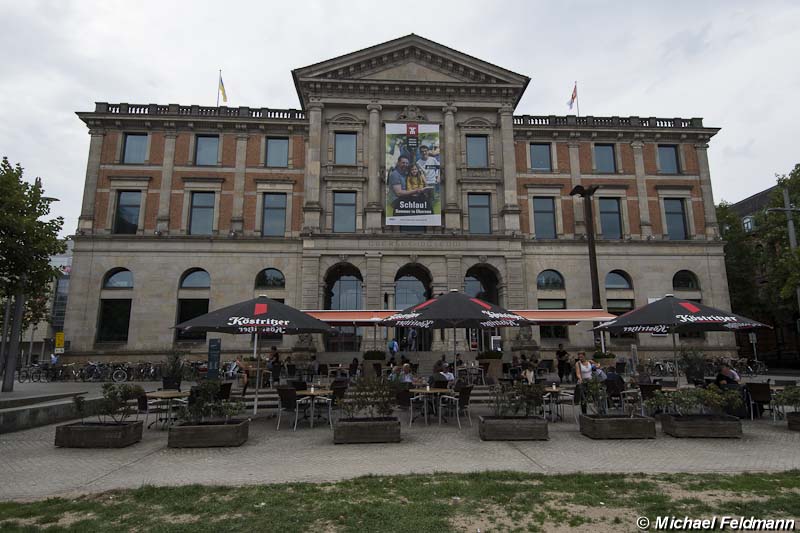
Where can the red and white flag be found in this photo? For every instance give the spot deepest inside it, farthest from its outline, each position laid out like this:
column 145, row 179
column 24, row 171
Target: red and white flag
column 574, row 96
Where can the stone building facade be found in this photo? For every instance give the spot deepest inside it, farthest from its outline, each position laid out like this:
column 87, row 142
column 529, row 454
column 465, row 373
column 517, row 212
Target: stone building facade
column 236, row 169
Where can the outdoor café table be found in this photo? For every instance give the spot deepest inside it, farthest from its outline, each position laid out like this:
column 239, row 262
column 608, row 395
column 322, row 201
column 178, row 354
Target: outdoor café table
column 323, row 393
column 425, row 391
column 336, row 371
column 168, row 395
column 474, row 373
column 635, row 396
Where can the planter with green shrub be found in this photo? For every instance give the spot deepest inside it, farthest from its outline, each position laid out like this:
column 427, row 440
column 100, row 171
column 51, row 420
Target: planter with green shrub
column 172, row 370
column 693, row 364
column 368, row 408
column 698, row 412
column 207, row 420
column 790, row 397
column 112, row 429
column 598, row 423
column 517, row 414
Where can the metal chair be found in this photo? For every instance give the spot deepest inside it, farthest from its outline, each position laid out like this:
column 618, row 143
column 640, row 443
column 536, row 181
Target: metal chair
column 759, row 393
column 143, row 406
column 460, row 401
column 288, row 401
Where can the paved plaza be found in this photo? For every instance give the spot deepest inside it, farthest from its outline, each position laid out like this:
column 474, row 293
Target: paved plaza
column 34, row 468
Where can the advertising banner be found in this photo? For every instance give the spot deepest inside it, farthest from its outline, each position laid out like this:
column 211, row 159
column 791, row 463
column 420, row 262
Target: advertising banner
column 413, row 175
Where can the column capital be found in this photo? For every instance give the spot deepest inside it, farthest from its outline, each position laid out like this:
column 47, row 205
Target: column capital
column 373, row 107
column 505, row 110
column 242, row 137
column 449, row 109
column 701, row 146
column 171, row 135
column 97, row 132
column 315, row 105
column 573, row 143
column 637, row 144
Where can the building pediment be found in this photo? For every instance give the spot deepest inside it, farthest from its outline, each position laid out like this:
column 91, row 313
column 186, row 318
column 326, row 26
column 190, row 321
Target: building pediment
column 411, row 65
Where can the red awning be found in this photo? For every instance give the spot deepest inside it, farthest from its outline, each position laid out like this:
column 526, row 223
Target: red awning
column 545, row 316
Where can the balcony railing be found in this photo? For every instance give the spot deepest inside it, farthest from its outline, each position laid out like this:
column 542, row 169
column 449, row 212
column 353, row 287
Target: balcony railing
column 198, row 111
column 609, row 122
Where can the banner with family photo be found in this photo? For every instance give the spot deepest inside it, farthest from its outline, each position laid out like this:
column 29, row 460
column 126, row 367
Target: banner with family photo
column 413, row 175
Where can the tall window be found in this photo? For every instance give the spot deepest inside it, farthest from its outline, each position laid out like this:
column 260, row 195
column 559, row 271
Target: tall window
column 344, row 212
column 675, row 213
column 553, row 331
column 115, row 312
column 345, row 148
column 668, row 158
column 550, row 280
column 604, row 158
column 193, row 301
column 270, row 278
column 135, row 148
column 479, row 213
column 60, row 302
column 540, row 157
column 343, row 291
column 477, row 151
column 206, row 150
column 126, row 220
column 273, row 221
column 610, row 218
column 201, row 218
column 544, row 217
column 277, row 152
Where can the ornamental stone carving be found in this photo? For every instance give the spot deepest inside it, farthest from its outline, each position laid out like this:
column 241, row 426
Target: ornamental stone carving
column 411, row 112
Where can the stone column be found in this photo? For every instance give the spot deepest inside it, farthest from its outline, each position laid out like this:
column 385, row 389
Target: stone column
column 451, row 210
column 237, row 213
column 455, row 279
column 641, row 189
column 310, row 283
column 511, row 208
column 165, row 194
column 312, row 209
column 712, row 228
column 515, row 286
column 575, row 175
column 374, row 206
column 373, row 294
column 86, row 219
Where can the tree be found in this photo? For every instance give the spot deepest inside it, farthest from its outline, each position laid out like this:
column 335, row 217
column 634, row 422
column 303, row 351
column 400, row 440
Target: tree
column 26, row 244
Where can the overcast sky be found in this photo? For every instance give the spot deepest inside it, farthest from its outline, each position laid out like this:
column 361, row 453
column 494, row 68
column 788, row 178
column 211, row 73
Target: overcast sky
column 732, row 63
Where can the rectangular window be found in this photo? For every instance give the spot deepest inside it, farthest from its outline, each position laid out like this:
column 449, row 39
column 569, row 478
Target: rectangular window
column 479, row 213
column 554, row 331
column 604, row 158
column 610, row 218
column 201, row 218
column 477, row 151
column 206, row 150
column 668, row 159
column 675, row 213
column 544, row 217
column 345, row 149
column 540, row 157
column 114, row 320
column 344, row 212
column 126, row 220
column 135, row 148
column 189, row 308
column 278, row 153
column 274, row 220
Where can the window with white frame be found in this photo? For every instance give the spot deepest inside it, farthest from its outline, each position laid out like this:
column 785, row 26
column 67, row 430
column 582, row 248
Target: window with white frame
column 273, row 221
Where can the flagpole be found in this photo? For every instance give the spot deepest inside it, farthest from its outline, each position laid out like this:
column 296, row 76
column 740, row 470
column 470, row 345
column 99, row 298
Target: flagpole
column 218, row 80
column 577, row 100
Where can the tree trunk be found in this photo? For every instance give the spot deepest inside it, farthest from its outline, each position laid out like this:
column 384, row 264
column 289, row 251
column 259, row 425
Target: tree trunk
column 16, row 331
column 3, row 339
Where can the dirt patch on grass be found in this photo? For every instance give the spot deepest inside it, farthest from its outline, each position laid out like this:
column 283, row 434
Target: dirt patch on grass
column 713, row 497
column 323, row 526
column 180, row 518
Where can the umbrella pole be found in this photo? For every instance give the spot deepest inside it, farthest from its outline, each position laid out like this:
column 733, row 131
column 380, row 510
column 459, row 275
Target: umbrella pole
column 675, row 355
column 258, row 373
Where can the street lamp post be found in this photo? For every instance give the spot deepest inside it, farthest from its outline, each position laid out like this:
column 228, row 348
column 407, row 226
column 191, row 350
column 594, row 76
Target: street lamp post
column 586, row 193
column 788, row 209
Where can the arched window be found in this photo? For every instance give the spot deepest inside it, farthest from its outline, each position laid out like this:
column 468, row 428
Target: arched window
column 343, row 291
column 119, row 278
column 482, row 283
column 685, row 280
column 618, row 279
column 412, row 286
column 270, row 278
column 550, row 280
column 196, row 278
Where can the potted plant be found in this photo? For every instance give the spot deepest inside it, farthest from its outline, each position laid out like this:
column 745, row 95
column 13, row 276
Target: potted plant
column 172, row 372
column 113, row 429
column 206, row 420
column 515, row 414
column 693, row 363
column 791, row 397
column 700, row 412
column 600, row 424
column 374, row 355
column 368, row 409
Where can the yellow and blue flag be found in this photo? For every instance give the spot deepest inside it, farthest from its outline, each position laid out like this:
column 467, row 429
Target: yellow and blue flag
column 222, row 90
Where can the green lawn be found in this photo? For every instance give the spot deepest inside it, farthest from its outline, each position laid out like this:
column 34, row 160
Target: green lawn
column 490, row 501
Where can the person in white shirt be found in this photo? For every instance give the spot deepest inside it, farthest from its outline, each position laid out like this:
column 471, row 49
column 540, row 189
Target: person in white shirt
column 447, row 374
column 428, row 166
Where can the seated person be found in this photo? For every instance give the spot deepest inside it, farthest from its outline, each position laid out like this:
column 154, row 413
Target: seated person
column 395, row 374
column 459, row 361
column 314, row 365
column 726, row 376
column 446, row 374
column 407, row 376
column 528, row 373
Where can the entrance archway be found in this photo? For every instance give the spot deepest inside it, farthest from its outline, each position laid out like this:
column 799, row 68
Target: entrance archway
column 481, row 282
column 343, row 291
column 412, row 286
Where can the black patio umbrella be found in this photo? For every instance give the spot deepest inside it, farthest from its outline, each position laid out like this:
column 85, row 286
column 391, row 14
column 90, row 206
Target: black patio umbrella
column 455, row 310
column 675, row 315
column 259, row 315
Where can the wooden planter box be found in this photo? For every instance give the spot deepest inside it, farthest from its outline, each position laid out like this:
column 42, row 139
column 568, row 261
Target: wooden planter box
column 366, row 430
column 617, row 427
column 702, row 426
column 209, row 434
column 512, row 428
column 793, row 419
column 98, row 435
